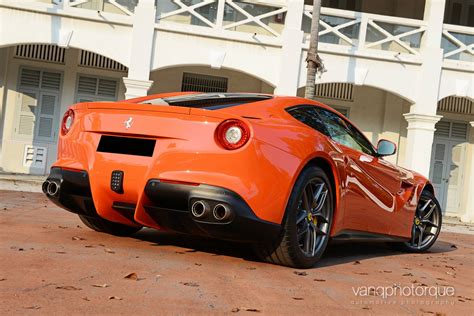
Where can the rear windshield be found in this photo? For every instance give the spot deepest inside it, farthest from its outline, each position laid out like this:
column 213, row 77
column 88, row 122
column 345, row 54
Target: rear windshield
column 209, row 101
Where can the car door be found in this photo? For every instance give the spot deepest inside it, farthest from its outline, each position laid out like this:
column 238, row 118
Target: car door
column 371, row 183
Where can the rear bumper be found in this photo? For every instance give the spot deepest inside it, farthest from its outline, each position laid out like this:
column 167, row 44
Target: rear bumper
column 169, row 206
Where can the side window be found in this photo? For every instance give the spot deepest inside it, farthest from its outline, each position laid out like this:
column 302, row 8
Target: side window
column 344, row 133
column 307, row 115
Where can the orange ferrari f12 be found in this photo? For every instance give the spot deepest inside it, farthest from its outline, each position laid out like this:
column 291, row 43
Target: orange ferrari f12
column 283, row 174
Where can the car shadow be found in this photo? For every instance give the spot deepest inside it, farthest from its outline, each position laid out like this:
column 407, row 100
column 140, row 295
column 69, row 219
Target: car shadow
column 340, row 252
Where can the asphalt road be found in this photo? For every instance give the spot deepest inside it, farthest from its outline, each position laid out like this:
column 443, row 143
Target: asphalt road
column 52, row 264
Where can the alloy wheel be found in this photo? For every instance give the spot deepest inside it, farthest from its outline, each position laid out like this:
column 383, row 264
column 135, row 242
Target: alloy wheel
column 312, row 218
column 426, row 223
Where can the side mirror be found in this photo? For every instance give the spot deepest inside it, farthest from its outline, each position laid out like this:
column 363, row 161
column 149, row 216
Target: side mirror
column 386, row 148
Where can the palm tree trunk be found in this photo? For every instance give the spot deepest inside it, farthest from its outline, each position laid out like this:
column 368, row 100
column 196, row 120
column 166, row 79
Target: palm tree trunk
column 313, row 59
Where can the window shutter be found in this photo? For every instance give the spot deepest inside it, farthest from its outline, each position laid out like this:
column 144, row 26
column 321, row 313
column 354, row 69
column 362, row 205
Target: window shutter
column 107, row 88
column 93, row 89
column 442, row 128
column 28, row 104
column 46, row 115
column 459, row 130
column 87, row 85
column 51, row 80
column 30, row 78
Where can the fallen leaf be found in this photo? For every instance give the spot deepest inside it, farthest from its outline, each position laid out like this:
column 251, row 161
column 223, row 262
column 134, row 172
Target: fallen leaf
column 131, row 276
column 109, row 250
column 192, row 284
column 465, row 298
column 68, row 288
column 101, row 285
column 300, row 273
column 77, row 238
column 356, row 262
column 32, row 307
column 319, row 280
column 255, row 310
column 115, row 298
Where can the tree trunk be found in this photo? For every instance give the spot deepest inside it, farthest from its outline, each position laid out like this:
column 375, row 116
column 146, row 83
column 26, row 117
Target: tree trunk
column 313, row 59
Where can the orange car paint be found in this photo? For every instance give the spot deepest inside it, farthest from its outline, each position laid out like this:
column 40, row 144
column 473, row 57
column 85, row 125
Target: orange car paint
column 371, row 194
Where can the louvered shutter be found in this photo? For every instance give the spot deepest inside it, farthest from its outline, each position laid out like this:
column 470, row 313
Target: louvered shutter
column 48, row 105
column 87, row 85
column 95, row 89
column 26, row 122
column 51, row 81
column 107, row 88
column 30, row 78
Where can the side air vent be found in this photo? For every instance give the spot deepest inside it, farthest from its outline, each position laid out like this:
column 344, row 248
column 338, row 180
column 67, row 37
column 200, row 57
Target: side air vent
column 93, row 60
column 454, row 104
column 41, row 52
column 338, row 91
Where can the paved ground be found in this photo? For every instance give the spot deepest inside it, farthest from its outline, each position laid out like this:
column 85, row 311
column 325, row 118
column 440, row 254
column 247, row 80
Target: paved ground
column 51, row 264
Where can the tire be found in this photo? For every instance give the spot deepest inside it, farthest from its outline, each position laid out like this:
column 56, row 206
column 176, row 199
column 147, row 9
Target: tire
column 426, row 225
column 104, row 226
column 294, row 248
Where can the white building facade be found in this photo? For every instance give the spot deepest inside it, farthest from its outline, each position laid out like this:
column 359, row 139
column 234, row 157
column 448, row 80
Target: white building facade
column 401, row 70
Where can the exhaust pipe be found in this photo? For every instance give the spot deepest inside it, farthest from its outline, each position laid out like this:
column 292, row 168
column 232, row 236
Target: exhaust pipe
column 200, row 209
column 53, row 189
column 221, row 212
column 44, row 186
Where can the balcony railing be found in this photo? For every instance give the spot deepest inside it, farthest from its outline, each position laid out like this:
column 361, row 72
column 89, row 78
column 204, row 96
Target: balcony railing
column 256, row 17
column 367, row 31
column 124, row 7
column 458, row 43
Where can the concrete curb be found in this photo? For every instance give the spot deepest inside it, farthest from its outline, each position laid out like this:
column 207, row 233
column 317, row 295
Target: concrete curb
column 17, row 182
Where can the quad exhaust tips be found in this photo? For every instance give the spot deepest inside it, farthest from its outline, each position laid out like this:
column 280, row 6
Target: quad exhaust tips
column 221, row 212
column 201, row 209
column 51, row 188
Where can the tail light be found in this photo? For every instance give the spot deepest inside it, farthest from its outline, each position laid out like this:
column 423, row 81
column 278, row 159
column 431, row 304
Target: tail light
column 232, row 134
column 68, row 120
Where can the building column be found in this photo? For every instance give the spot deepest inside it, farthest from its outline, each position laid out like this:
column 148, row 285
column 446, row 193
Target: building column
column 138, row 81
column 422, row 117
column 292, row 39
column 469, row 215
column 420, row 135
